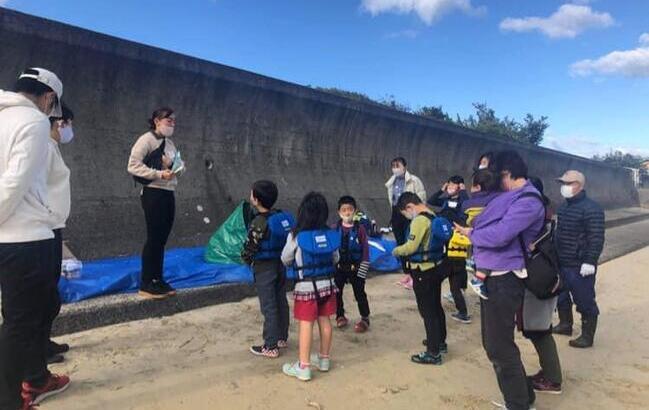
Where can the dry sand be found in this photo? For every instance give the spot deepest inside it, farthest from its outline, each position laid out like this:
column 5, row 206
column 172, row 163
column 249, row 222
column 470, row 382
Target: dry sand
column 200, row 359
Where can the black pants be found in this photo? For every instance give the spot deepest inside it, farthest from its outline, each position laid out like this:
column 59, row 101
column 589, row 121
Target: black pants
column 358, row 286
column 28, row 296
column 399, row 225
column 546, row 349
column 159, row 211
column 427, row 286
column 457, row 278
column 270, row 281
column 498, row 326
column 56, row 276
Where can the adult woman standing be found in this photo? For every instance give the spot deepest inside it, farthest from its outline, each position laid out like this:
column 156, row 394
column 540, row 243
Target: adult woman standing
column 513, row 214
column 58, row 193
column 155, row 163
column 402, row 181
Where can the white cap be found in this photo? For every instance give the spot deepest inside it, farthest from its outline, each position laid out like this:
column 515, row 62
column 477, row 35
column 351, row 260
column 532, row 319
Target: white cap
column 51, row 80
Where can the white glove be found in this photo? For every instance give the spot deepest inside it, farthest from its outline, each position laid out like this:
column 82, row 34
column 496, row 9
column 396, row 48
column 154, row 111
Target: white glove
column 587, row 270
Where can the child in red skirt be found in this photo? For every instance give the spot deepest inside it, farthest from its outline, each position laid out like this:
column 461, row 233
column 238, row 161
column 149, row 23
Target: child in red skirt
column 312, row 250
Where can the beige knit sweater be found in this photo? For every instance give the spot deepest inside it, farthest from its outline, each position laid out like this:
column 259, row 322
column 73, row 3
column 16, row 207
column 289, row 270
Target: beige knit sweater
column 144, row 145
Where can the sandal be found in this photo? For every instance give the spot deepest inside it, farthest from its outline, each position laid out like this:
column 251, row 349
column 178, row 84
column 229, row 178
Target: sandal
column 341, row 322
column 426, row 358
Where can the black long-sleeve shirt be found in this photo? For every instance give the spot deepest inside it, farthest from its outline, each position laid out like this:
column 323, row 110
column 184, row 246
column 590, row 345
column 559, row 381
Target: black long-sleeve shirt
column 451, row 207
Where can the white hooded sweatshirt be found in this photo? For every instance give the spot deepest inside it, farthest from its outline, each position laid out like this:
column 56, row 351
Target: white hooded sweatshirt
column 24, row 145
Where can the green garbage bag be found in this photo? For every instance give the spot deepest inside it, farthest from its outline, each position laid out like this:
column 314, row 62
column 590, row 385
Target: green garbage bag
column 227, row 242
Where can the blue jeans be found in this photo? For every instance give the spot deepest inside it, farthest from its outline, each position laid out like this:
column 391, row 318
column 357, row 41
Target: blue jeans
column 578, row 289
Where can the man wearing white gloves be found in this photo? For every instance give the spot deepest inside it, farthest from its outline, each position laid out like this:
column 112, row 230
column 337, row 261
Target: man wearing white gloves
column 580, row 240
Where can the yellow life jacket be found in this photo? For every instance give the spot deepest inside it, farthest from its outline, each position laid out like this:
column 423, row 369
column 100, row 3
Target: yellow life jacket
column 459, row 244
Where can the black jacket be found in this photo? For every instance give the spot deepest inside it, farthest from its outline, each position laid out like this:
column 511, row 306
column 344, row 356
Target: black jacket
column 580, row 231
column 451, row 208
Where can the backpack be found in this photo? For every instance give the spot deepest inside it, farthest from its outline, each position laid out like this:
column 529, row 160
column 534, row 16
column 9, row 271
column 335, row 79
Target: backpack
column 440, row 232
column 318, row 248
column 280, row 223
column 370, row 226
column 542, row 261
column 152, row 160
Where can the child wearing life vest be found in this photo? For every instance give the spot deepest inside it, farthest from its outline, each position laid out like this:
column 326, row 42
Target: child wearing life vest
column 353, row 265
column 267, row 235
column 426, row 260
column 312, row 250
column 484, row 188
column 450, row 199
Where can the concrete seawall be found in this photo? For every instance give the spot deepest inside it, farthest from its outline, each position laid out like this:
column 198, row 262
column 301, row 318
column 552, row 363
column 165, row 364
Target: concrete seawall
column 234, row 127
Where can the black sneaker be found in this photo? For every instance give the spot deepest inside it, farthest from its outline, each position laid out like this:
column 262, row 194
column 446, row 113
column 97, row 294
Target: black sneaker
column 153, row 290
column 443, row 348
column 55, row 358
column 167, row 288
column 55, row 348
column 461, row 317
column 272, row 353
column 427, row 358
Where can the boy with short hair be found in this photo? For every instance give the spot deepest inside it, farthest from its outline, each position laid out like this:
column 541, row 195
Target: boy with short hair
column 353, row 265
column 262, row 251
column 426, row 260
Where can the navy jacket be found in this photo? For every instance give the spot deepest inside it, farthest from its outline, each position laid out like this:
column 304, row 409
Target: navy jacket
column 580, row 231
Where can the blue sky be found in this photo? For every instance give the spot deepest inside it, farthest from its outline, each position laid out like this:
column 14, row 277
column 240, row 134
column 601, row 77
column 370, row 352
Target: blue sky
column 583, row 63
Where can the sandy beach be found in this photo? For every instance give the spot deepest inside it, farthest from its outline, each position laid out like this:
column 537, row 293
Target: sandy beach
column 200, row 359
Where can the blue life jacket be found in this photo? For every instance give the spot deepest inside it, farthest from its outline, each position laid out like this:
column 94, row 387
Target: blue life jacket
column 318, row 248
column 280, row 224
column 440, row 233
column 351, row 249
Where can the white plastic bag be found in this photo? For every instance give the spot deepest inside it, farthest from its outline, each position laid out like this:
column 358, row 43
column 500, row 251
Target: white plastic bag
column 71, row 268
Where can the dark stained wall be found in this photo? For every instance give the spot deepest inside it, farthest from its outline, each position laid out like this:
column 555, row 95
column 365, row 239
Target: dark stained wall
column 249, row 126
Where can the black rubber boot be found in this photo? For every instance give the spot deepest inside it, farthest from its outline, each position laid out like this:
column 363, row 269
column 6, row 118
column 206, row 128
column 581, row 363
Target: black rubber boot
column 588, row 328
column 565, row 323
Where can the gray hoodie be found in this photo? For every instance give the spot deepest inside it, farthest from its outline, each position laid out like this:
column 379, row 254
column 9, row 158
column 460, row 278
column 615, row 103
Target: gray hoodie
column 24, row 143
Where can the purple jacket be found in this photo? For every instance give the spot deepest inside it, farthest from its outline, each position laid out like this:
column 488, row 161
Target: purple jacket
column 496, row 229
column 479, row 200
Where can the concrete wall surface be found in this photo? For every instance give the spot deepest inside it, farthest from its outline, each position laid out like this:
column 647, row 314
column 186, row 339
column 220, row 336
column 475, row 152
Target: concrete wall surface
column 247, row 126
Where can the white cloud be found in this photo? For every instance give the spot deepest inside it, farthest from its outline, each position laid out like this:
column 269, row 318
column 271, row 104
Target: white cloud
column 4, row 2
column 629, row 63
column 427, row 10
column 644, row 39
column 410, row 34
column 568, row 21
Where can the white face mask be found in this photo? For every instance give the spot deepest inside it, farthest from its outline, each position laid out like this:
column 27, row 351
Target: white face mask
column 483, row 166
column 397, row 172
column 166, row 130
column 346, row 219
column 66, row 134
column 567, row 191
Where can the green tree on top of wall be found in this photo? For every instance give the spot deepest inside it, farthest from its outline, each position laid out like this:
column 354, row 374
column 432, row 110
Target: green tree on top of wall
column 621, row 159
column 528, row 131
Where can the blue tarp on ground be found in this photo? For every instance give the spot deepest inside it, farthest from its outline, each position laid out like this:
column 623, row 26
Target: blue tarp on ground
column 184, row 268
